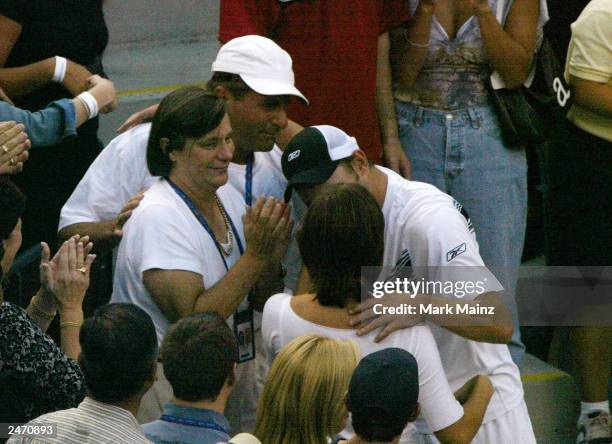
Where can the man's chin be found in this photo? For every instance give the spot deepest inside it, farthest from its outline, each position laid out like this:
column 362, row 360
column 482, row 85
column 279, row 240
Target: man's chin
column 266, row 146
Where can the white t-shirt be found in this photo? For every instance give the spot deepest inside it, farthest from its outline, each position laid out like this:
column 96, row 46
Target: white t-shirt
column 438, row 405
column 268, row 178
column 425, row 227
column 163, row 233
column 118, row 173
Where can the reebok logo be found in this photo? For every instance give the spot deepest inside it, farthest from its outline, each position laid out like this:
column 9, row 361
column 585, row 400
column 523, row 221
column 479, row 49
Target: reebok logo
column 293, row 155
column 459, row 249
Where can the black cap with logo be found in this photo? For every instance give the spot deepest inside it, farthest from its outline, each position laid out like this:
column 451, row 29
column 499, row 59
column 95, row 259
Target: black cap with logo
column 312, row 156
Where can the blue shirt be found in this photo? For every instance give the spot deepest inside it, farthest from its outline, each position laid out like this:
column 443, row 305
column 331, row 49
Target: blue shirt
column 209, row 427
column 48, row 126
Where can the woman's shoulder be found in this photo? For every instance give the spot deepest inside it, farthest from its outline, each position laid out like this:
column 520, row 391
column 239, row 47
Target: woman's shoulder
column 415, row 339
column 277, row 302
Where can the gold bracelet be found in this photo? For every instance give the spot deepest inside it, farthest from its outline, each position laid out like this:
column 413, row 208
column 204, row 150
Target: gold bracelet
column 416, row 45
column 41, row 312
column 70, row 324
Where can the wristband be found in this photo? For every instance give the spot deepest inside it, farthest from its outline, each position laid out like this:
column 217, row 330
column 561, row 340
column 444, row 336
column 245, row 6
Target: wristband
column 60, row 69
column 90, row 103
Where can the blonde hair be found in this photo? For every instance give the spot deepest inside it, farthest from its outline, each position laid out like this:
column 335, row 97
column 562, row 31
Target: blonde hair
column 303, row 400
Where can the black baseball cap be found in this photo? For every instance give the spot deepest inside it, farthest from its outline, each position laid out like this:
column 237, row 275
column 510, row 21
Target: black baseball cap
column 314, row 153
column 384, row 387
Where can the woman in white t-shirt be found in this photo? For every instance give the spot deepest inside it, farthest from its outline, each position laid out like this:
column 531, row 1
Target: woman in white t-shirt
column 190, row 247
column 343, row 231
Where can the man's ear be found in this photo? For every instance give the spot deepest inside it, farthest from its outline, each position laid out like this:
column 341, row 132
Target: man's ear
column 231, row 378
column 153, row 377
column 360, row 162
column 221, row 92
column 154, row 372
column 417, row 411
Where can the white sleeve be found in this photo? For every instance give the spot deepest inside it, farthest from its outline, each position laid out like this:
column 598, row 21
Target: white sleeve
column 444, row 240
column 270, row 326
column 439, row 407
column 160, row 239
column 591, row 58
column 117, row 174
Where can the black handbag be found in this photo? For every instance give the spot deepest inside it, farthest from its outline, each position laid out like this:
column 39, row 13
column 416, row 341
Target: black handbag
column 530, row 115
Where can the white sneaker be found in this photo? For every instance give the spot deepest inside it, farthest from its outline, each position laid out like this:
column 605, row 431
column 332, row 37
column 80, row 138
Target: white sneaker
column 594, row 428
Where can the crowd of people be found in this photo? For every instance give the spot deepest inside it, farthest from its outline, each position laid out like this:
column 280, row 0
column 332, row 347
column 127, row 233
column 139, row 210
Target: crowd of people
column 334, row 147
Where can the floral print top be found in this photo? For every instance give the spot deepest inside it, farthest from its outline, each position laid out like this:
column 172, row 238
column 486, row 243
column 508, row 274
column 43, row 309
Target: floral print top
column 456, row 72
column 45, row 379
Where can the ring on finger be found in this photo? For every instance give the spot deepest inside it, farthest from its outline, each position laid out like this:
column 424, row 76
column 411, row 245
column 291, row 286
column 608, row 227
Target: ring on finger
column 5, row 149
column 83, row 269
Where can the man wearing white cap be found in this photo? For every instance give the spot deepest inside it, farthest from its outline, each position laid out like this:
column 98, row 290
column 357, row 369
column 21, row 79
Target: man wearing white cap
column 255, row 77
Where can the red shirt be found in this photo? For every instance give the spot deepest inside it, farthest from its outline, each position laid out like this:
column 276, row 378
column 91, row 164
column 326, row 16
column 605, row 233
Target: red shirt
column 333, row 44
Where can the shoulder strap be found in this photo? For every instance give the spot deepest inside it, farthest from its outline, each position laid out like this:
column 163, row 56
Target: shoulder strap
column 499, row 11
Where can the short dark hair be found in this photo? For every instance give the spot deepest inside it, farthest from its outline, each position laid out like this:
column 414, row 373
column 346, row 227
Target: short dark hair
column 371, row 431
column 188, row 112
column 12, row 205
column 198, row 354
column 118, row 351
column 343, row 230
column 232, row 82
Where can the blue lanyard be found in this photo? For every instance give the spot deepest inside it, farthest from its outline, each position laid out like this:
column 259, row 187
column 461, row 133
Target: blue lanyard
column 195, row 423
column 248, row 186
column 204, row 223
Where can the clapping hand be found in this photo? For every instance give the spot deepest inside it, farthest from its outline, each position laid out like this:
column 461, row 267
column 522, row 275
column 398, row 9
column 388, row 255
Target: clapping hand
column 267, row 227
column 66, row 276
column 14, row 145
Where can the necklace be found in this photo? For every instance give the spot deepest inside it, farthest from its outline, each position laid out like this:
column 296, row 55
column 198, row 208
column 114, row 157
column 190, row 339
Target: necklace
column 230, row 236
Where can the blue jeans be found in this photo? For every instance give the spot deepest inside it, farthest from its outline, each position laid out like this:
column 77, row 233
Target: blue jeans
column 462, row 154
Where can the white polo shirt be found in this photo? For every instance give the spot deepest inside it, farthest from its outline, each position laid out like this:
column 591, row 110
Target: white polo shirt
column 163, row 233
column 424, row 226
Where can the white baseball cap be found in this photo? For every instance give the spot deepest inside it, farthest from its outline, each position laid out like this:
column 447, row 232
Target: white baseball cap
column 263, row 65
